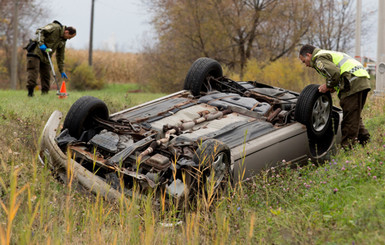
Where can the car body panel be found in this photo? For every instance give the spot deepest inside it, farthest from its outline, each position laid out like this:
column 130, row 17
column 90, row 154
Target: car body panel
column 282, row 145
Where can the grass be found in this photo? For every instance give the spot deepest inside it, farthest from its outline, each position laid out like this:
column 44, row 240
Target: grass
column 339, row 202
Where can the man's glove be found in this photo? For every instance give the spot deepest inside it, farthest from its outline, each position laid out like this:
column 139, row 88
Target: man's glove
column 43, row 47
column 63, row 75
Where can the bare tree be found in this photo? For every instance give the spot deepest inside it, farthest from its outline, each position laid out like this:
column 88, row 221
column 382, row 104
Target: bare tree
column 29, row 12
column 334, row 25
column 234, row 31
column 290, row 21
column 268, row 29
column 241, row 22
column 186, row 31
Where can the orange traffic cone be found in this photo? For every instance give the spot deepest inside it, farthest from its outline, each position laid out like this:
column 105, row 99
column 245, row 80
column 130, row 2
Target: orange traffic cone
column 63, row 91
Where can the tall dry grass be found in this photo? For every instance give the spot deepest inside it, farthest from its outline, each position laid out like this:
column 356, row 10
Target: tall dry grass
column 110, row 66
column 115, row 67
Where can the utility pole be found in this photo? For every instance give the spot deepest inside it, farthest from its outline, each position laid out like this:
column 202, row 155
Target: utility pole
column 91, row 33
column 358, row 31
column 14, row 45
column 380, row 64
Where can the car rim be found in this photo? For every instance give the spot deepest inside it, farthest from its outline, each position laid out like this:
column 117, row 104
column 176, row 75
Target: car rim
column 218, row 169
column 321, row 112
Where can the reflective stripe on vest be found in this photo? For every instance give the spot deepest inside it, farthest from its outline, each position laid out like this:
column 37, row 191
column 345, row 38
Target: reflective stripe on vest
column 346, row 63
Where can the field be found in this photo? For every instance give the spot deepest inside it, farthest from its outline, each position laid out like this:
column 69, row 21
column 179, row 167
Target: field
column 337, row 202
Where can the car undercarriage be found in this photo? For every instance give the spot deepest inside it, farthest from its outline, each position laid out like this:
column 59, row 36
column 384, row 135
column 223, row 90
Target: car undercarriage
column 214, row 132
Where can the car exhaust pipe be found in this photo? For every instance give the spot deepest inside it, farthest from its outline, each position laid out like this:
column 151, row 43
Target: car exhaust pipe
column 183, row 126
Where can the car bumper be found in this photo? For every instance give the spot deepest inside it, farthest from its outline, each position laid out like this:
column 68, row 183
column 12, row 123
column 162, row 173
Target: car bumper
column 51, row 154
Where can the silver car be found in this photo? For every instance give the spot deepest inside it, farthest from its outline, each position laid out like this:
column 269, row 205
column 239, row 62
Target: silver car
column 214, row 131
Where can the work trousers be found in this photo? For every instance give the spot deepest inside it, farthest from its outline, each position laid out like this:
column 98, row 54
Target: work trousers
column 34, row 68
column 353, row 130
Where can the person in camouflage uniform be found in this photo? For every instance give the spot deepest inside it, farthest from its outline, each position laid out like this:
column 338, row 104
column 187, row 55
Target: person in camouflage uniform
column 50, row 38
column 348, row 77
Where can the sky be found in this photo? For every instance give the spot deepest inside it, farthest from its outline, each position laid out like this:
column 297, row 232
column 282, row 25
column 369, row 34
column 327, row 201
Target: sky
column 369, row 40
column 123, row 25
column 119, row 25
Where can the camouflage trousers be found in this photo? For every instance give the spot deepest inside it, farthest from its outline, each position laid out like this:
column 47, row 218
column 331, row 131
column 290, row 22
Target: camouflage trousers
column 34, row 68
column 352, row 127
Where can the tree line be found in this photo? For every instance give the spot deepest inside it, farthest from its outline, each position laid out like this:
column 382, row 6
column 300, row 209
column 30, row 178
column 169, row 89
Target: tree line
column 236, row 31
column 29, row 13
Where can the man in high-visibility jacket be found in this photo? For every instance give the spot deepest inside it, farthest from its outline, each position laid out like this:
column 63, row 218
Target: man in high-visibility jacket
column 52, row 37
column 348, row 77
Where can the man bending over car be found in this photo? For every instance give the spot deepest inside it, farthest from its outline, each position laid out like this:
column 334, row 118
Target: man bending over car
column 350, row 80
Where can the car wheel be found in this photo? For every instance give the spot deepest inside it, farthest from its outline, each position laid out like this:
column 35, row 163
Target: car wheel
column 314, row 109
column 198, row 74
column 80, row 116
column 213, row 158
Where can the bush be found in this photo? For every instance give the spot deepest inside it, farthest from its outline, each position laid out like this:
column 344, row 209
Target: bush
column 162, row 74
column 83, row 78
column 227, row 72
column 287, row 72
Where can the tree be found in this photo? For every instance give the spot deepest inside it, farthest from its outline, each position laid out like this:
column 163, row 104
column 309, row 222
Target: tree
column 185, row 32
column 242, row 22
column 334, row 25
column 234, row 31
column 268, row 29
column 290, row 21
column 30, row 12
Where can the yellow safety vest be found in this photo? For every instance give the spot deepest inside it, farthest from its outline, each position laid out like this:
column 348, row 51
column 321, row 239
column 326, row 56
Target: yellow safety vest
column 346, row 63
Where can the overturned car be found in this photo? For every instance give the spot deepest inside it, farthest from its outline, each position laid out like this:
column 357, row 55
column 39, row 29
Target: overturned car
column 213, row 131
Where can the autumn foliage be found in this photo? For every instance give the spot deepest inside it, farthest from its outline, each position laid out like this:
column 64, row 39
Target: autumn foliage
column 287, row 72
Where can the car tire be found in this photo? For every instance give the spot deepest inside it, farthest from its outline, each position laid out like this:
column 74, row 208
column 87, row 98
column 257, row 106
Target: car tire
column 314, row 110
column 196, row 79
column 80, row 116
column 213, row 158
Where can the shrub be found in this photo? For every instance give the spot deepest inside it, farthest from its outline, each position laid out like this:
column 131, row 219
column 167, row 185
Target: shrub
column 161, row 74
column 287, row 72
column 83, row 78
column 227, row 72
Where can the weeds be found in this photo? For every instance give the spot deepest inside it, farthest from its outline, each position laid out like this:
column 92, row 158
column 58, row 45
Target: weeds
column 12, row 208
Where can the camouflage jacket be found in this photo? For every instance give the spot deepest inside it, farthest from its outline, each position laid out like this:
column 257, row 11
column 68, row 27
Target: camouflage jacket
column 324, row 62
column 52, row 36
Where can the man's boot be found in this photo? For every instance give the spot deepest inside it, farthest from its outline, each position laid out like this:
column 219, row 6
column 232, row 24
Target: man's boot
column 30, row 92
